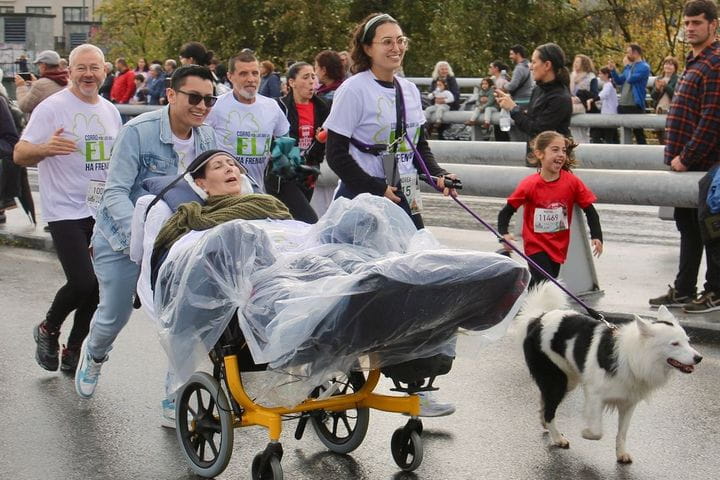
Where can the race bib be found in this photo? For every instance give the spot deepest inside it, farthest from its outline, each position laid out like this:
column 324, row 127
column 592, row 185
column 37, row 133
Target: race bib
column 410, row 186
column 550, row 220
column 94, row 194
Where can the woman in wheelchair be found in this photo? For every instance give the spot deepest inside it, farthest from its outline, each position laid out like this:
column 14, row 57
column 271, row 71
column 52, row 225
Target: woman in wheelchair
column 362, row 287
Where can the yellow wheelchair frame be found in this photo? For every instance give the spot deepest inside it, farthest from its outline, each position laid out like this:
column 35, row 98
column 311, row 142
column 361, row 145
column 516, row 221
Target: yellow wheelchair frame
column 197, row 427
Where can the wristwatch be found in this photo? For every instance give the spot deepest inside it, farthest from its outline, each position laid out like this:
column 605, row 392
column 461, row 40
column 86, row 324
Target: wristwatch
column 515, row 109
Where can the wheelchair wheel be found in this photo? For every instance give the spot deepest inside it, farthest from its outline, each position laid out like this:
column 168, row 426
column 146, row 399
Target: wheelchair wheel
column 273, row 469
column 342, row 432
column 204, row 425
column 407, row 449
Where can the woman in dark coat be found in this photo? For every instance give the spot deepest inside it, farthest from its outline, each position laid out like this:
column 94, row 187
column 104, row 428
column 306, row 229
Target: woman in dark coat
column 550, row 106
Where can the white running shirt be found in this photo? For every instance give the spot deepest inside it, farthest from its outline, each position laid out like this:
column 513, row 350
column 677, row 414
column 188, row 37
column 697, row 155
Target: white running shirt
column 64, row 180
column 365, row 110
column 246, row 131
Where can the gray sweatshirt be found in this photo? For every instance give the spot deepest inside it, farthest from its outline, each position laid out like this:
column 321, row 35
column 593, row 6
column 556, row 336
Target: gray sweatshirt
column 522, row 83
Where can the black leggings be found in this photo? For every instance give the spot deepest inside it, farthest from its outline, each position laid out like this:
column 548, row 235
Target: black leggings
column 296, row 197
column 544, row 262
column 80, row 293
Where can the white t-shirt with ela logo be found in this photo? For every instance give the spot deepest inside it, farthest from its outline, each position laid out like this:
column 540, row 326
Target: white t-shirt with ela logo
column 69, row 183
column 247, row 130
column 365, row 110
column 185, row 149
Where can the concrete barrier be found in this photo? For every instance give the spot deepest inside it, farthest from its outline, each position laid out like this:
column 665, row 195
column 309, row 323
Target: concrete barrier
column 610, row 157
column 624, row 187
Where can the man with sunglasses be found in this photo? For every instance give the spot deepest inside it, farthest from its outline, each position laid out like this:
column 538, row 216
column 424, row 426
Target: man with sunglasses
column 161, row 142
column 245, row 122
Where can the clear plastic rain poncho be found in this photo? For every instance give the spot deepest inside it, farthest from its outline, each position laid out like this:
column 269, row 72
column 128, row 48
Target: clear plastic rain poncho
column 360, row 287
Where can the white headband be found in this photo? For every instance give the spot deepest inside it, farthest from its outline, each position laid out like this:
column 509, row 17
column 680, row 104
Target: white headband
column 373, row 21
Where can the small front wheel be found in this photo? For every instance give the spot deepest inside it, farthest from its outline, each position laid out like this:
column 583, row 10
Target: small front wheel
column 272, row 469
column 407, row 449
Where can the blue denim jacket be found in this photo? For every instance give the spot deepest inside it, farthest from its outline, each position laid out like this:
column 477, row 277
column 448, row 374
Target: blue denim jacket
column 143, row 149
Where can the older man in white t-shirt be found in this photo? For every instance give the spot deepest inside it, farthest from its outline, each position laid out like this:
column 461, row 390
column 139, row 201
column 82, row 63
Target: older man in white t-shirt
column 245, row 123
column 69, row 138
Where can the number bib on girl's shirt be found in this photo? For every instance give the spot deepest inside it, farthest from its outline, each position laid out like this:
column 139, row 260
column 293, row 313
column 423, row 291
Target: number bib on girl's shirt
column 550, row 220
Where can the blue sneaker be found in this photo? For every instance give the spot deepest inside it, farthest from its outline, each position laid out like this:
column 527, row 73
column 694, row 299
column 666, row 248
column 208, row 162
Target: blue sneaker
column 168, row 413
column 87, row 373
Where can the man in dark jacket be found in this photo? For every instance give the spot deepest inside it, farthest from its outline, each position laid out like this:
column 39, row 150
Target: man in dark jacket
column 106, row 87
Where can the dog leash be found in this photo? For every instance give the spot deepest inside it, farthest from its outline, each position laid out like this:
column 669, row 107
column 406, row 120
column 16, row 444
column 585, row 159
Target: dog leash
column 449, row 183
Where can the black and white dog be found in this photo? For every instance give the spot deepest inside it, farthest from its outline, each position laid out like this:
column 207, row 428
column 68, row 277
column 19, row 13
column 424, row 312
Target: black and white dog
column 616, row 367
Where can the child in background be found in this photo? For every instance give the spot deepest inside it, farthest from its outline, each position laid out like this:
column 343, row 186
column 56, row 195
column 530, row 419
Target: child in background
column 549, row 197
column 485, row 103
column 608, row 100
column 442, row 98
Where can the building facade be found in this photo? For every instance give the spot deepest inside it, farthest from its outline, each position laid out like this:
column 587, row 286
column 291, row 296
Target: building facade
column 28, row 27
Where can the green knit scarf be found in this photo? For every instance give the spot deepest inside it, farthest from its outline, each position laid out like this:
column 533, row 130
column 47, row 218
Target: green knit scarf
column 219, row 209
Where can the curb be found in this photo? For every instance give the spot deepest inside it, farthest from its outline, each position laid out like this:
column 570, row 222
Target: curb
column 22, row 240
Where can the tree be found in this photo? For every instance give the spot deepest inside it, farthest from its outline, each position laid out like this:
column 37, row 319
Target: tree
column 467, row 33
column 134, row 28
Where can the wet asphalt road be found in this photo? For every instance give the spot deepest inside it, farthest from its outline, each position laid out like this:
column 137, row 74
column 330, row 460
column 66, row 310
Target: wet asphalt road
column 49, row 433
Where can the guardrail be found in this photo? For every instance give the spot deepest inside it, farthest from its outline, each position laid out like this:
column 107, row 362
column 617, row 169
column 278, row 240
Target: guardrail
column 588, row 155
column 625, row 122
column 470, row 82
column 593, row 120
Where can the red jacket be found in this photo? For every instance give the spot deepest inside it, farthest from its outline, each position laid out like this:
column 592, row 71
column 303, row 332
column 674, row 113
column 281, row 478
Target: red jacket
column 123, row 87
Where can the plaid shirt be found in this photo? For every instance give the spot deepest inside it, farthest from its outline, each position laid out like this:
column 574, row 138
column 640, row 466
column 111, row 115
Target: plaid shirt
column 693, row 121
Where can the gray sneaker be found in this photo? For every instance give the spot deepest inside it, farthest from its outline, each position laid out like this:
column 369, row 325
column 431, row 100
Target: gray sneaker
column 430, row 407
column 707, row 302
column 672, row 298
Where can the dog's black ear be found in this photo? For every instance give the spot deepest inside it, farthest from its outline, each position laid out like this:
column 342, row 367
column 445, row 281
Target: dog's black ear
column 644, row 327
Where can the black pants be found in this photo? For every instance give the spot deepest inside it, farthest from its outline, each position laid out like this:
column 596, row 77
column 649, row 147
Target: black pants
column 639, row 133
column 691, row 250
column 543, row 260
column 80, row 293
column 604, row 135
column 295, row 196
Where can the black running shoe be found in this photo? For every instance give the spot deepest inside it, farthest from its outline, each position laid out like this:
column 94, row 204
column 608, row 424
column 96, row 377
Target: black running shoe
column 46, row 353
column 69, row 359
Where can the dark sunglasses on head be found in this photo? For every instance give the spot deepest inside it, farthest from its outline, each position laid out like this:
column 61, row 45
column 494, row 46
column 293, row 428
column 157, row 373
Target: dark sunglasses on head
column 194, row 98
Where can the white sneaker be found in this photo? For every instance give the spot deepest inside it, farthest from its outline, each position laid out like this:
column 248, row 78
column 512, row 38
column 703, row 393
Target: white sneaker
column 87, row 373
column 168, row 413
column 430, row 407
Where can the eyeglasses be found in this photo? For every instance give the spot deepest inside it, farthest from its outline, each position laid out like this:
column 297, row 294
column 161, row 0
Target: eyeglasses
column 194, row 98
column 388, row 42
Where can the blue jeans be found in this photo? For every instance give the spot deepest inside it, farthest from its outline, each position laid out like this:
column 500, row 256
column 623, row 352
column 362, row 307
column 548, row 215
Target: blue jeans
column 117, row 276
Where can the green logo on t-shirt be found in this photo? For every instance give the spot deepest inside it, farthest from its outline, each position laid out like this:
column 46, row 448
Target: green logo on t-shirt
column 96, row 149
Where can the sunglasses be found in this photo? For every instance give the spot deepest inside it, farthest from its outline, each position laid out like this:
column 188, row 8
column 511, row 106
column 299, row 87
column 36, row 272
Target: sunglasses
column 194, row 98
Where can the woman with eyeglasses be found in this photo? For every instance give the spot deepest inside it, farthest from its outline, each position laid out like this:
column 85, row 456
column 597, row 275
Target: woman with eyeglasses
column 366, row 147
column 550, row 106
